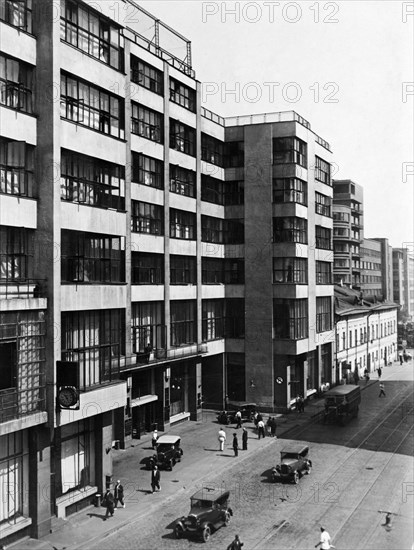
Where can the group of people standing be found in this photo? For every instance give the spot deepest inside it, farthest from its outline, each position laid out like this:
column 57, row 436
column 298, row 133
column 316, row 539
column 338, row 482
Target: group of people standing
column 110, row 500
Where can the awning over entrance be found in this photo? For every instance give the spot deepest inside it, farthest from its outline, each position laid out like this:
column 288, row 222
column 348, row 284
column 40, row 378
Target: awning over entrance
column 138, row 401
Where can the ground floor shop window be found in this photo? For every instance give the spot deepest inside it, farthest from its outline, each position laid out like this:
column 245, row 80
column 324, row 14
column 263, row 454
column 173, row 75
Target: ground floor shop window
column 177, row 389
column 14, row 463
column 76, row 456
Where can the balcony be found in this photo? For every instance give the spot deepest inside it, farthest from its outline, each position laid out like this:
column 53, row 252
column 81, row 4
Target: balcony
column 21, row 289
column 160, row 356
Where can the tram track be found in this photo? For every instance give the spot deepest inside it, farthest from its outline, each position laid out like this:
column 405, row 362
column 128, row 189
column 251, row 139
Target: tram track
column 408, row 398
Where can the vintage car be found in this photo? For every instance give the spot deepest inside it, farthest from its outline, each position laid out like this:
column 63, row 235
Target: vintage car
column 208, row 512
column 247, row 410
column 294, row 463
column 168, row 452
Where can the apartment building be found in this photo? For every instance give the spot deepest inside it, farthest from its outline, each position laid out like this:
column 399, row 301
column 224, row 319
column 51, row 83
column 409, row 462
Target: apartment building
column 348, row 232
column 154, row 256
column 403, row 281
column 365, row 334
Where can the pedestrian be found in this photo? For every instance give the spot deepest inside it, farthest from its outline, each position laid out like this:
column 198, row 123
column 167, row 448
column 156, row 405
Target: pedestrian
column 109, row 503
column 379, row 373
column 236, row 544
column 222, row 438
column 235, row 445
column 382, row 392
column 256, row 414
column 400, row 355
column 245, row 437
column 298, row 404
column 260, row 428
column 155, row 479
column 302, row 404
column 154, row 438
column 238, row 419
column 325, row 540
column 119, row 494
column 273, row 427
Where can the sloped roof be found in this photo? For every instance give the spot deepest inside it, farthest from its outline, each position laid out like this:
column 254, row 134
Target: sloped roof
column 348, row 302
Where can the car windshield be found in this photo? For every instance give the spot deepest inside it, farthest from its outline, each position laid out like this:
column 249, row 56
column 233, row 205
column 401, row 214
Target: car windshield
column 290, row 455
column 164, row 447
column 197, row 503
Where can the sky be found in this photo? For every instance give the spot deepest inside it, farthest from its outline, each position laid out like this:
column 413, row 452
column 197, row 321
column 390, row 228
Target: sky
column 345, row 66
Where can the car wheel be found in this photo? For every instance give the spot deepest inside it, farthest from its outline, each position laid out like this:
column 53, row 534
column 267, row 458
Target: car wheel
column 296, row 478
column 226, row 518
column 206, row 533
column 178, row 532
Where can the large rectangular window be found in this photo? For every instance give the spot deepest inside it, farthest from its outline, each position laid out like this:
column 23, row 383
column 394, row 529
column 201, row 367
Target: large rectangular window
column 147, row 76
column 323, row 237
column 147, row 123
column 290, row 150
column 290, row 190
column 222, row 271
column 290, row 270
column 182, row 225
column 91, row 258
column 323, row 313
column 290, row 318
column 147, row 170
column 221, row 192
column 91, row 181
column 147, row 218
column 234, row 154
column 212, row 319
column 323, row 273
column 182, row 181
column 16, row 168
column 147, row 268
column 16, row 84
column 183, row 322
column 211, row 150
column 16, row 253
column 217, row 230
column 323, row 204
column 95, row 35
column 182, row 95
column 14, row 475
column 322, row 171
column 290, row 230
column 17, row 13
column 147, row 327
column 182, row 138
column 183, row 270
column 96, row 339
column 91, row 107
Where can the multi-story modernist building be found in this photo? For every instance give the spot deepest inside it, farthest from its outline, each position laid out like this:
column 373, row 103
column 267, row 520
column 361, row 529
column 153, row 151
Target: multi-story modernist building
column 403, row 281
column 365, row 334
column 153, row 255
column 348, row 232
column 371, row 269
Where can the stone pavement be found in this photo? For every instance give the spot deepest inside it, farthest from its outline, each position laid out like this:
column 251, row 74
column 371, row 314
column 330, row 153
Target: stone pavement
column 80, row 530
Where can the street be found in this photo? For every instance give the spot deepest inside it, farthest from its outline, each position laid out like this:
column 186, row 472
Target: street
column 360, row 472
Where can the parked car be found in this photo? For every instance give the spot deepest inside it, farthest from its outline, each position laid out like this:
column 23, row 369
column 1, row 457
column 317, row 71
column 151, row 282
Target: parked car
column 225, row 417
column 209, row 510
column 169, row 452
column 294, row 463
column 247, row 410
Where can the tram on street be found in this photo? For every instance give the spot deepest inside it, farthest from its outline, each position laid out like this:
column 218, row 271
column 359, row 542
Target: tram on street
column 342, row 404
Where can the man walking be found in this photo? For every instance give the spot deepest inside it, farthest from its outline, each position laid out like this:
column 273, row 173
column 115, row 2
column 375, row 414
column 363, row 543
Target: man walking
column 235, row 445
column 236, row 544
column 325, row 540
column 238, row 419
column 400, row 355
column 245, row 437
column 119, row 494
column 109, row 503
column 155, row 479
column 261, row 428
column 379, row 373
column 382, row 392
column 221, row 438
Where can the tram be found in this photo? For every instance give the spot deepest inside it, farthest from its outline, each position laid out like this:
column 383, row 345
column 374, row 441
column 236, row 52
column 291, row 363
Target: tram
column 342, row 404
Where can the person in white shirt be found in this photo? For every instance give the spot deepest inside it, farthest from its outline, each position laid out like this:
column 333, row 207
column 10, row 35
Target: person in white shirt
column 221, row 438
column 325, row 540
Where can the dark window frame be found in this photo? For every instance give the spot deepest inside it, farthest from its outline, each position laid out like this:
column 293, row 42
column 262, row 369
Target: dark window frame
column 147, row 76
column 290, row 229
column 290, row 318
column 16, row 253
column 212, row 150
column 290, row 271
column 147, row 268
column 183, row 322
column 16, row 84
column 182, row 138
column 290, row 150
column 323, row 238
column 16, row 168
column 183, row 225
column 322, row 171
column 323, row 313
column 147, row 218
column 323, row 205
column 17, row 14
column 182, row 181
column 183, row 270
column 147, row 170
column 213, row 319
column 286, row 190
column 147, row 123
column 182, row 95
column 324, row 273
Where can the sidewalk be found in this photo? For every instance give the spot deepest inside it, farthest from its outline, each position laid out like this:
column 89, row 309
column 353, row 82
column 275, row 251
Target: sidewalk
column 87, row 526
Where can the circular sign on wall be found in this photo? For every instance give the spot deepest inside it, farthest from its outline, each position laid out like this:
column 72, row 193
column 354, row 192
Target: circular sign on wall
column 279, row 380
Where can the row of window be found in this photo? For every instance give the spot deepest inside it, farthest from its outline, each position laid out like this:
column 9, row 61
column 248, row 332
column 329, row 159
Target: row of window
column 366, row 334
column 291, row 318
column 295, row 270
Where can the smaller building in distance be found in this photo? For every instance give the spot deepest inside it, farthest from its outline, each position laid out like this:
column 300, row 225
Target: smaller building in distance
column 365, row 334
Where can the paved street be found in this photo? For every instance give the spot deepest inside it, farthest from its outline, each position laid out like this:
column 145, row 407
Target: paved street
column 360, row 471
